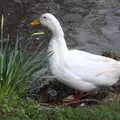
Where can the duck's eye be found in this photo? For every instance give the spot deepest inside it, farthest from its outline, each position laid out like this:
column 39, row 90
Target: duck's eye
column 44, row 17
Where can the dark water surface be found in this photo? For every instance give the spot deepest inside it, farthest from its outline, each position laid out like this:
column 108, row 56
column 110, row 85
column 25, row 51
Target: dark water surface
column 91, row 25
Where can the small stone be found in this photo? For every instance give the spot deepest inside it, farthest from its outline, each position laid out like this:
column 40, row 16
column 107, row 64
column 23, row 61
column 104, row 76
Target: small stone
column 52, row 93
column 82, row 104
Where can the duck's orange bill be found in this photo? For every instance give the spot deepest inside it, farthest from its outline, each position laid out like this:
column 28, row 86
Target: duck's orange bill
column 35, row 23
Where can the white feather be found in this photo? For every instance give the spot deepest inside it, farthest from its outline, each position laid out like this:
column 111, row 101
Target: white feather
column 78, row 69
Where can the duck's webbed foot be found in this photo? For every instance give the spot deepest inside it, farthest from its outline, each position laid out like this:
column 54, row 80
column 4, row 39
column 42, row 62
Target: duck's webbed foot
column 75, row 98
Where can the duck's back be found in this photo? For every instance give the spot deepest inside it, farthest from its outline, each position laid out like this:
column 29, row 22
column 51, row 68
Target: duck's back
column 82, row 66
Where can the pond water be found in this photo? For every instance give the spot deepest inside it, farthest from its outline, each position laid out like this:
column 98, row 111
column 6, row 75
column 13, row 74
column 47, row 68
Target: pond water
column 90, row 25
column 94, row 25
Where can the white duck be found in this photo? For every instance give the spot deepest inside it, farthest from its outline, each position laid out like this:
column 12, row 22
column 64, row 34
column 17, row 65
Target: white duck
column 79, row 69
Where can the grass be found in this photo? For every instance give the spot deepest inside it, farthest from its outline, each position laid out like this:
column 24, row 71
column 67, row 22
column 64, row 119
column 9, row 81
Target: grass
column 30, row 110
column 16, row 67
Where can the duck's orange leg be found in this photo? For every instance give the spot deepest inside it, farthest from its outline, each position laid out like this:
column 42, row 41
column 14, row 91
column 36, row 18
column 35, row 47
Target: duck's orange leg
column 73, row 99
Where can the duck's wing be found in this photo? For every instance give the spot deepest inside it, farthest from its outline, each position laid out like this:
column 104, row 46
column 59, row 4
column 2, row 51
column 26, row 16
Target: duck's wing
column 88, row 65
column 90, row 56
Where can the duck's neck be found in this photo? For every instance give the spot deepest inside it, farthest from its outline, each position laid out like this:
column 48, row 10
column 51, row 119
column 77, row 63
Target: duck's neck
column 57, row 30
column 57, row 43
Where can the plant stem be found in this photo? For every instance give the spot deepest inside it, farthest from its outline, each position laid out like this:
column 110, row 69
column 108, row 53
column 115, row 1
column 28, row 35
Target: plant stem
column 2, row 24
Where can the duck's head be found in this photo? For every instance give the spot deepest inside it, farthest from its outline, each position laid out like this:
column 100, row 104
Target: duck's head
column 51, row 22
